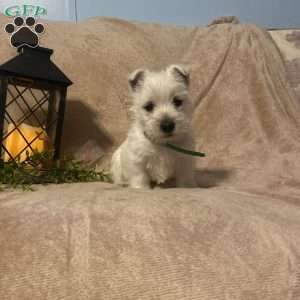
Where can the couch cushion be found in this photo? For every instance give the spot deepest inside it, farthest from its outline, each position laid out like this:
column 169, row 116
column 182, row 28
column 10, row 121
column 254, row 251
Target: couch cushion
column 96, row 241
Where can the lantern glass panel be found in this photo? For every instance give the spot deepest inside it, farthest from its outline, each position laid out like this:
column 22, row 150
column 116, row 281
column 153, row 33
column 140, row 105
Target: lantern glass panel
column 30, row 120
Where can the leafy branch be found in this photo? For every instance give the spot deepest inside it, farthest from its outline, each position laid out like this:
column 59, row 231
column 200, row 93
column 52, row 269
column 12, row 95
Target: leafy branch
column 40, row 168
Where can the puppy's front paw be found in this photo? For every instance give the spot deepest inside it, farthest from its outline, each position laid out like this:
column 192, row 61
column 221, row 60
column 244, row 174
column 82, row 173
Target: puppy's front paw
column 140, row 182
column 139, row 186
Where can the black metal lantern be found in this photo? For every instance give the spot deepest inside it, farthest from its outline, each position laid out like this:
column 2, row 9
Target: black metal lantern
column 32, row 104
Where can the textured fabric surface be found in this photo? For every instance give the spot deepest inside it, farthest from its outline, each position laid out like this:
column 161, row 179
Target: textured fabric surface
column 288, row 42
column 95, row 241
column 234, row 237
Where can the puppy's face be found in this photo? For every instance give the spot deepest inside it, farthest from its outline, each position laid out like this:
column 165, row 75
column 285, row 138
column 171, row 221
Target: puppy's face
column 161, row 105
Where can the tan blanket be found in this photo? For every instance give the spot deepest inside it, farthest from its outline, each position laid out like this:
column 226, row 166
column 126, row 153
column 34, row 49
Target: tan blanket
column 237, row 238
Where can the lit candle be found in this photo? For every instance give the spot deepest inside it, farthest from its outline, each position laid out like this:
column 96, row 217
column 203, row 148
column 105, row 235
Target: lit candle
column 15, row 142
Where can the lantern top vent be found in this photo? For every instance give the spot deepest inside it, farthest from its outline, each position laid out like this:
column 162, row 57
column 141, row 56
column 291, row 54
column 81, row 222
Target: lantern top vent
column 35, row 63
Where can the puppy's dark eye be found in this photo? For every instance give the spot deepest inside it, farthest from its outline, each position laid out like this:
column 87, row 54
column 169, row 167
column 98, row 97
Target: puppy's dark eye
column 177, row 102
column 149, row 106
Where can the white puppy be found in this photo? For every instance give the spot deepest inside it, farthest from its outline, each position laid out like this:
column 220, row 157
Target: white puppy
column 162, row 114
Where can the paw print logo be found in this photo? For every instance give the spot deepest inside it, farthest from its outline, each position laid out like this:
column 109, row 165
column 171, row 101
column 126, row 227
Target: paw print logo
column 24, row 32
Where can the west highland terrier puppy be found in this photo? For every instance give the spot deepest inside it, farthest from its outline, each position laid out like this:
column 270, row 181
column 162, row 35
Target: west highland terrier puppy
column 162, row 114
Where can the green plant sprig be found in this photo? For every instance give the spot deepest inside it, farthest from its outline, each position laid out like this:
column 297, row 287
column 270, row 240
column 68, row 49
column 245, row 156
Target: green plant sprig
column 40, row 168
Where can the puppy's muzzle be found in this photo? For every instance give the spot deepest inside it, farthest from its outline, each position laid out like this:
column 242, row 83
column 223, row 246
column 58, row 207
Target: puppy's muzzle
column 167, row 126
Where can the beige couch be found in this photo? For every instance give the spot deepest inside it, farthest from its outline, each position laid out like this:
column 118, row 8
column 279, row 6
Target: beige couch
column 237, row 236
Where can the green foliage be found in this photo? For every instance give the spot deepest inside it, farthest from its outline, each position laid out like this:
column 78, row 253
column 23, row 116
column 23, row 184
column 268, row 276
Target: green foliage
column 40, row 168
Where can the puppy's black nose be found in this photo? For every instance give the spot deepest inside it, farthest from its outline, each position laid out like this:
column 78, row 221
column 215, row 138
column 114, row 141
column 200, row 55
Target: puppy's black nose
column 167, row 126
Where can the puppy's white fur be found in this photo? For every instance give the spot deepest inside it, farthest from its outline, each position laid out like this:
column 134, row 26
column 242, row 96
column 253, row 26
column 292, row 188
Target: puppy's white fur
column 143, row 158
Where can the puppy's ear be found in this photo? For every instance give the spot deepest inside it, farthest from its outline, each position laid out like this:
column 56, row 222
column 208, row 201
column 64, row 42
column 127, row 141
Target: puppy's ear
column 180, row 73
column 136, row 79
